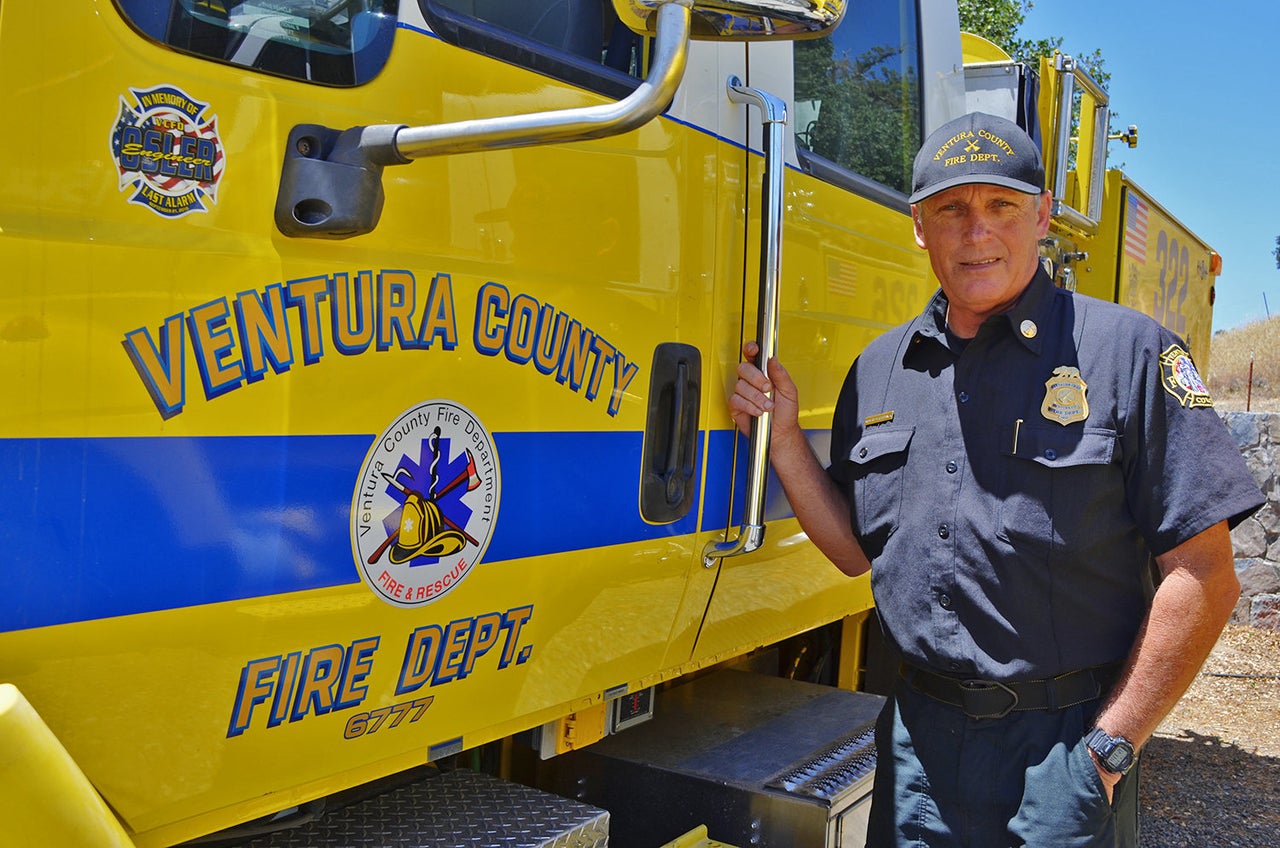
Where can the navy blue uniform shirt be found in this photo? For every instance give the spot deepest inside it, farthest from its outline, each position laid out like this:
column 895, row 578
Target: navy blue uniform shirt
column 1009, row 490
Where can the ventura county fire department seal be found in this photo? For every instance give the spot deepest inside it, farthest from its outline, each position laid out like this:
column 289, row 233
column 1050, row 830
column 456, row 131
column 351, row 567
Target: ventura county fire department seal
column 426, row 503
column 1181, row 379
column 1064, row 396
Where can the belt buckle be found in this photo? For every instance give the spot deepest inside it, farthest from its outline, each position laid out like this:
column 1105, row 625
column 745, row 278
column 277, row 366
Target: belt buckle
column 984, row 687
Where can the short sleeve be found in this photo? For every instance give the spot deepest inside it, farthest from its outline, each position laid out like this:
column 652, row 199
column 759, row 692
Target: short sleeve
column 1183, row 470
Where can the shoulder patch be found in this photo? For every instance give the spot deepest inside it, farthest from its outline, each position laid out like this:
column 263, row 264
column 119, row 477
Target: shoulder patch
column 1180, row 378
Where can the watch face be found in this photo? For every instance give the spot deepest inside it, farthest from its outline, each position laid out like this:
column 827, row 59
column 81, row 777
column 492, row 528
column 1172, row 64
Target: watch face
column 1118, row 758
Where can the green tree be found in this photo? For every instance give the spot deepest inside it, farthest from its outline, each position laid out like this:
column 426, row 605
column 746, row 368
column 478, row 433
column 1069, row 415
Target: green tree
column 995, row 20
column 999, row 21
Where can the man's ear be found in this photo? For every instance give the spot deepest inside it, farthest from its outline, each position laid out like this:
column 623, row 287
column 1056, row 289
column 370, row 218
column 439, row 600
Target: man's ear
column 1044, row 214
column 918, row 224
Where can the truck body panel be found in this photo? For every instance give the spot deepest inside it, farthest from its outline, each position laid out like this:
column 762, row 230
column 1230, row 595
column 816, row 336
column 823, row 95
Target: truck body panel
column 1150, row 261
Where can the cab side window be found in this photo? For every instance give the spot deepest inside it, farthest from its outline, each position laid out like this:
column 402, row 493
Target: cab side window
column 330, row 42
column 857, row 95
column 581, row 42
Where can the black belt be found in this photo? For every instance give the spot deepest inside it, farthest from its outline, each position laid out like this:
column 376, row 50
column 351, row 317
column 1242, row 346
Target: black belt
column 993, row 699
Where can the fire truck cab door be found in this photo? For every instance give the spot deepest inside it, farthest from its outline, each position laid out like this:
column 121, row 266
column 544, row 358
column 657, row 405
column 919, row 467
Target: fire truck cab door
column 849, row 271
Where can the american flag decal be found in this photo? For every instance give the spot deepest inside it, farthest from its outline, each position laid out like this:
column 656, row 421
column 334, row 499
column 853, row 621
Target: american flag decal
column 1135, row 229
column 842, row 277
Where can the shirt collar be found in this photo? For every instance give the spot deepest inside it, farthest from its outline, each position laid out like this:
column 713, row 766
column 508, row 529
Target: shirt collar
column 1025, row 320
column 1030, row 315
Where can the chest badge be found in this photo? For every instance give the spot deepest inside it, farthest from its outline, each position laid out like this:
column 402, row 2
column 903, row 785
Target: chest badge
column 1064, row 396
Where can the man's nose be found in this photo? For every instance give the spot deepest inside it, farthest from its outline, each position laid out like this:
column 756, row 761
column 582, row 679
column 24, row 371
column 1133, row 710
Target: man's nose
column 976, row 226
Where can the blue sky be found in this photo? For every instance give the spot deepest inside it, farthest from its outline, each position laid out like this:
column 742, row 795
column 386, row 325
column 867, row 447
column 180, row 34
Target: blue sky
column 1201, row 82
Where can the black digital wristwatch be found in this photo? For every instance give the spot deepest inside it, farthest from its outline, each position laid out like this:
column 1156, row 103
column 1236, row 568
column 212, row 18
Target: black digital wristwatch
column 1115, row 753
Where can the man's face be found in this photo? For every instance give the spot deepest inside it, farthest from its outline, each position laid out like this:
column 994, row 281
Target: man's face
column 982, row 242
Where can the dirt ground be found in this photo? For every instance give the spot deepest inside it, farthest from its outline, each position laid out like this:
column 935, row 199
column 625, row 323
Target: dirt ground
column 1211, row 774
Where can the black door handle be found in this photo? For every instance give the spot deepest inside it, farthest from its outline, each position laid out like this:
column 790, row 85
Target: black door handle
column 671, row 433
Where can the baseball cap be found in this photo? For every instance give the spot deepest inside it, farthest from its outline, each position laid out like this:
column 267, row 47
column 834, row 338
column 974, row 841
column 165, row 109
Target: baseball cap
column 977, row 148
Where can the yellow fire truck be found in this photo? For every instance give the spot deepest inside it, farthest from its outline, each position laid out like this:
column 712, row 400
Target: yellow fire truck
column 365, row 451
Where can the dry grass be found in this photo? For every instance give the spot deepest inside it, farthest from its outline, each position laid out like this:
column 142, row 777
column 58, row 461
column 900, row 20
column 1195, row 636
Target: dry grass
column 1229, row 361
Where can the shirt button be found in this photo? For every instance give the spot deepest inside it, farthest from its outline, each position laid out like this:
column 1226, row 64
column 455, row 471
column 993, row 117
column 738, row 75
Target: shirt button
column 964, row 397
column 1050, row 454
column 862, row 454
column 945, row 602
column 944, row 531
column 952, row 467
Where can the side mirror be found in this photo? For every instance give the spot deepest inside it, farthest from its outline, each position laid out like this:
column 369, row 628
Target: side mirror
column 740, row 19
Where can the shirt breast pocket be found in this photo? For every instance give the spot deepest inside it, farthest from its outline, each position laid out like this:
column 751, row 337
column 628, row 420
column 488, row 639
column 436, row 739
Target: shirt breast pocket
column 877, row 466
column 1054, row 481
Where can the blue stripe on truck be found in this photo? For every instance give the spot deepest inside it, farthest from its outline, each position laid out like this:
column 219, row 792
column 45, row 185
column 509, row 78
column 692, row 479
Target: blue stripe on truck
column 100, row 527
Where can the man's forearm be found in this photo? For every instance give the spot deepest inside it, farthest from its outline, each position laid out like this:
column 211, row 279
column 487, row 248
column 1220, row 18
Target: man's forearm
column 1187, row 615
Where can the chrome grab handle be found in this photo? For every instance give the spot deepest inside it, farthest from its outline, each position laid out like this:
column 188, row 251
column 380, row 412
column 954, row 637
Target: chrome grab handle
column 1071, row 73
column 774, row 119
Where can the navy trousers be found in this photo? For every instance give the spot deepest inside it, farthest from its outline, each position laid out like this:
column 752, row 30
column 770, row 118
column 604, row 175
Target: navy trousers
column 945, row 780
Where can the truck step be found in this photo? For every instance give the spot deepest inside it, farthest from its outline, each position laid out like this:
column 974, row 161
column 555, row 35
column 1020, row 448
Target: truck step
column 457, row 809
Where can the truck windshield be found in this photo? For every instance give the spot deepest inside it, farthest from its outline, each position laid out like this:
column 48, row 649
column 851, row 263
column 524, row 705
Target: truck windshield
column 331, row 42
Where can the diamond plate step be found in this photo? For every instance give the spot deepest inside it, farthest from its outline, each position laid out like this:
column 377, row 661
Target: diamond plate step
column 458, row 809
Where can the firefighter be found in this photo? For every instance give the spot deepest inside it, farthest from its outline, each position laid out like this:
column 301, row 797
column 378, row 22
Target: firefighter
column 1043, row 493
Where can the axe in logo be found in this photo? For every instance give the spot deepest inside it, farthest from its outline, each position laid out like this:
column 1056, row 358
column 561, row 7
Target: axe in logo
column 424, row 529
